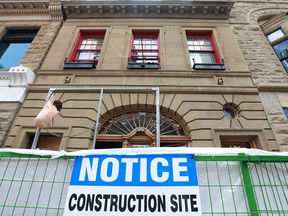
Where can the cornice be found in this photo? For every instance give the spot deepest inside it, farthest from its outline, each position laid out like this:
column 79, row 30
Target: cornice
column 218, row 9
column 58, row 9
column 44, row 9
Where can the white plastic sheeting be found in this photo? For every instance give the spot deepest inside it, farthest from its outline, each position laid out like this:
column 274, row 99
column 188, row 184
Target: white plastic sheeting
column 221, row 188
column 33, row 186
column 270, row 182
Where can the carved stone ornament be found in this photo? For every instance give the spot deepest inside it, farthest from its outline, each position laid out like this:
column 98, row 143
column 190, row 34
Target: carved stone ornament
column 31, row 9
column 219, row 9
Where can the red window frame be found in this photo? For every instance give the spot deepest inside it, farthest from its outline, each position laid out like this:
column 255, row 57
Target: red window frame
column 207, row 34
column 146, row 50
column 74, row 57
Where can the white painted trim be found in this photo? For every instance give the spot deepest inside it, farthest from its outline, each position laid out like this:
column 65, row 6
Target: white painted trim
column 13, row 83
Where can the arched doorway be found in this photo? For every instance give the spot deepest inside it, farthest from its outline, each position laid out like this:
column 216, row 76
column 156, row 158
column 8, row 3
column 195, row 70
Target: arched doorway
column 137, row 129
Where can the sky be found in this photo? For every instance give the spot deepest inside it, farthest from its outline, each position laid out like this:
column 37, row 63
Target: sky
column 13, row 55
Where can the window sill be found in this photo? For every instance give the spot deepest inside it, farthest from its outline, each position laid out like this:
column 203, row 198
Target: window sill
column 135, row 65
column 79, row 65
column 207, row 66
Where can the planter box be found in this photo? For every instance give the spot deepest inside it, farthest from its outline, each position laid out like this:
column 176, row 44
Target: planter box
column 134, row 65
column 203, row 66
column 79, row 65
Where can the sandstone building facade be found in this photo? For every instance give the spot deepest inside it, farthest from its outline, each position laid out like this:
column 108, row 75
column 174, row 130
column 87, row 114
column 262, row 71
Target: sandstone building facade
column 222, row 79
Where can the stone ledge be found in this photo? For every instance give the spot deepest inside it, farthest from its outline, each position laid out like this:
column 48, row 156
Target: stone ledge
column 273, row 87
column 164, row 89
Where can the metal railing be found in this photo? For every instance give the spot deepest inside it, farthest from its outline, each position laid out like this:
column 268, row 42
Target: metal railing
column 101, row 91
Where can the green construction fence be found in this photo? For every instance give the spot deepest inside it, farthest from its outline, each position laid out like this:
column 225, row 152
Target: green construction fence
column 33, row 182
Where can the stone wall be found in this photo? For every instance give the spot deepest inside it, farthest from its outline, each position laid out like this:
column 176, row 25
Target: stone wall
column 196, row 98
column 265, row 67
column 40, row 45
column 259, row 55
column 8, row 111
column 32, row 59
column 200, row 114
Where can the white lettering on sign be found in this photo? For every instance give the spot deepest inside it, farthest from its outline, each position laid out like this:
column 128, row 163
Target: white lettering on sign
column 143, row 169
column 144, row 184
column 177, row 168
column 104, row 169
column 86, row 168
column 129, row 167
column 154, row 170
column 178, row 165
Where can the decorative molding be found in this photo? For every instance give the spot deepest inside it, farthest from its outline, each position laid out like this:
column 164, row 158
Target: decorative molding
column 49, row 9
column 13, row 83
column 219, row 9
column 55, row 10
column 21, row 76
column 59, row 9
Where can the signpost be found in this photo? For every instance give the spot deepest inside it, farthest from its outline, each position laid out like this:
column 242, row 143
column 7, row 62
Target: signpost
column 159, row 184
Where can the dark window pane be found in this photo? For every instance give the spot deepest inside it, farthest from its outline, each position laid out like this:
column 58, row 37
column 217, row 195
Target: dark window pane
column 108, row 145
column 285, row 109
column 281, row 49
column 285, row 64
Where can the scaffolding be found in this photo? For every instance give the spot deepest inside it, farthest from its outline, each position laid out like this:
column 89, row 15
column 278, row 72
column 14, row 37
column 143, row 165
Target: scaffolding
column 156, row 90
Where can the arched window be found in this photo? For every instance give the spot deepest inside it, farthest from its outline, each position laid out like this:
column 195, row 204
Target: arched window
column 137, row 129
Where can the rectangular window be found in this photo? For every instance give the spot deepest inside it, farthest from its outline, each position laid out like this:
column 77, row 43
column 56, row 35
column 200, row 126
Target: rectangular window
column 203, row 51
column 45, row 142
column 281, row 50
column 238, row 141
column 279, row 43
column 86, row 51
column 13, row 45
column 144, row 52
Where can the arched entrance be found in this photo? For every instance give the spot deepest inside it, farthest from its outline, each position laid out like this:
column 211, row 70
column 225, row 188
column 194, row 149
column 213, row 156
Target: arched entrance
column 136, row 129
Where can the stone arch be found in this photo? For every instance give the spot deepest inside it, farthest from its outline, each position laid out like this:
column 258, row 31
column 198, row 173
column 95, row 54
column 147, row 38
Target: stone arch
column 257, row 15
column 134, row 125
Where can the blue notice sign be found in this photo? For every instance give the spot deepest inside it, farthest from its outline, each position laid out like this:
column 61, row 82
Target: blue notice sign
column 129, row 184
